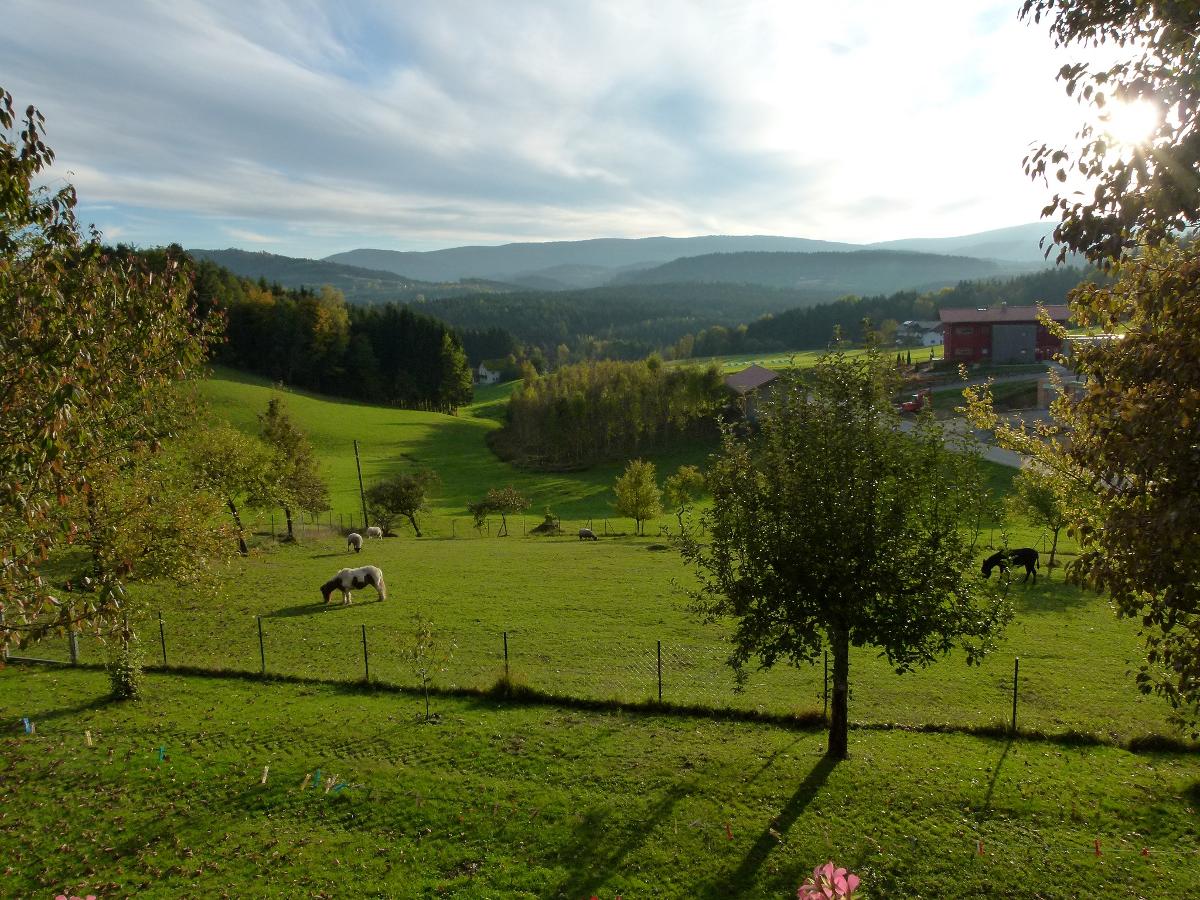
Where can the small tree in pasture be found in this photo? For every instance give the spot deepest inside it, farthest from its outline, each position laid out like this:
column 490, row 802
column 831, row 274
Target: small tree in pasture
column 238, row 468
column 300, row 481
column 426, row 654
column 830, row 527
column 683, row 489
column 637, row 493
column 1043, row 499
column 506, row 501
column 401, row 495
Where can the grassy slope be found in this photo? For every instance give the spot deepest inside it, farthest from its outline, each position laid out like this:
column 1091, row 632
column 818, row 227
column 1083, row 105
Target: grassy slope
column 392, row 440
column 538, row 801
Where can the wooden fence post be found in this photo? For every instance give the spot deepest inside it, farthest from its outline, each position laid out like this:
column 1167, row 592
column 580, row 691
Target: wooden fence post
column 659, row 645
column 1016, row 671
column 262, row 653
column 162, row 639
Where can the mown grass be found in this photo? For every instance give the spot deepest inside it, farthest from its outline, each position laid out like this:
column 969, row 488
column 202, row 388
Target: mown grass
column 505, row 800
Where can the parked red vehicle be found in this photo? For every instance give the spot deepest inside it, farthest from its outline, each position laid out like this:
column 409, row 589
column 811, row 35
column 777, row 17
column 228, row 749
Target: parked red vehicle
column 916, row 402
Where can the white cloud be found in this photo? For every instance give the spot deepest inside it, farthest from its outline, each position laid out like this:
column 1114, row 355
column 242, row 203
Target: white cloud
column 436, row 124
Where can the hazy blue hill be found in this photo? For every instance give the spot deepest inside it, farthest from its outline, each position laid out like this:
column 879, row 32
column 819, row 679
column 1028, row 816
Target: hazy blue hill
column 1016, row 244
column 360, row 285
column 858, row 272
column 531, row 259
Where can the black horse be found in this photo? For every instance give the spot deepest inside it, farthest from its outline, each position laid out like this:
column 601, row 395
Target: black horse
column 1022, row 556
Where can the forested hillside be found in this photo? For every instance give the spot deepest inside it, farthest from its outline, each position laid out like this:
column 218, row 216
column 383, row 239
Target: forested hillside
column 860, row 272
column 618, row 322
column 812, row 327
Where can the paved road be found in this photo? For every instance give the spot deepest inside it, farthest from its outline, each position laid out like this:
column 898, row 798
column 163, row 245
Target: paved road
column 991, row 452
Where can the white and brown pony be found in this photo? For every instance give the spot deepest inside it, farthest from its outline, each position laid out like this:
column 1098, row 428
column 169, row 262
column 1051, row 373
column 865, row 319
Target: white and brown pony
column 347, row 580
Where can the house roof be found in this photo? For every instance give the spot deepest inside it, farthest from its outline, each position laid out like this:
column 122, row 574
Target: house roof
column 1003, row 314
column 748, row 379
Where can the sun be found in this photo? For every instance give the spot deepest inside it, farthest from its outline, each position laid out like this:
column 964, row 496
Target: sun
column 1129, row 123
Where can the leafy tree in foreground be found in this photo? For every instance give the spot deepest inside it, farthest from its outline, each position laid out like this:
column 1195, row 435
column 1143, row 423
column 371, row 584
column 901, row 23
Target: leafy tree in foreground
column 832, row 528
column 506, row 501
column 301, row 483
column 91, row 351
column 1125, row 450
column 401, row 495
column 683, row 489
column 1127, row 445
column 1146, row 190
column 637, row 493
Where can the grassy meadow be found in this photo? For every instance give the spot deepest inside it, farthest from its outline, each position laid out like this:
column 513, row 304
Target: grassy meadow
column 511, row 800
column 600, row 791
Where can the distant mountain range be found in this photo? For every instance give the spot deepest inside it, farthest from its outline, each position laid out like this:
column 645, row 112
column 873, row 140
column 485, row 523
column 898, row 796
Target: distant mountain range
column 359, row 285
column 827, row 267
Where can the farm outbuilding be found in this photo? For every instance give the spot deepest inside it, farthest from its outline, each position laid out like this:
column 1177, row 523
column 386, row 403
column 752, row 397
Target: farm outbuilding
column 752, row 385
column 1001, row 334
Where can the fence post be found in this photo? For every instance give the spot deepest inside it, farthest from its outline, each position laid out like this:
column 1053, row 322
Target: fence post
column 454, row 528
column 659, row 643
column 506, row 654
column 362, row 495
column 162, row 639
column 3, row 638
column 73, row 646
column 1016, row 670
column 262, row 653
column 366, row 659
column 826, row 713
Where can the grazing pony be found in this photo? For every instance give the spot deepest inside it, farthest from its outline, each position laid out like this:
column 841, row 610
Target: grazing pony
column 353, row 579
column 354, row 542
column 586, row 534
column 1022, row 556
column 374, row 531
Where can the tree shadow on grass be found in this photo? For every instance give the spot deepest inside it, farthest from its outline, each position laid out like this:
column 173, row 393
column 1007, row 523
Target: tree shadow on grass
column 738, row 882
column 593, row 857
column 986, row 808
column 58, row 712
column 308, row 609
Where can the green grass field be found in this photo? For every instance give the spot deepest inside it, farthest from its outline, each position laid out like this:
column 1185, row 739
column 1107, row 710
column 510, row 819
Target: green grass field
column 511, row 800
column 547, row 799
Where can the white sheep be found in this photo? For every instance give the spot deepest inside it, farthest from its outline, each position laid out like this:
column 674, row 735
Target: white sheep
column 354, row 542
column 374, row 531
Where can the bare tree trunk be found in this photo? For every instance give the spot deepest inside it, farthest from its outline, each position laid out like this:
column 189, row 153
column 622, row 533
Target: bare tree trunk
column 1053, row 548
column 839, row 640
column 287, row 514
column 413, row 520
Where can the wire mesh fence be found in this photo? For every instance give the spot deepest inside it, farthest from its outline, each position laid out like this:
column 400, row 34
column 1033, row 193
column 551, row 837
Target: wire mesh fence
column 608, row 669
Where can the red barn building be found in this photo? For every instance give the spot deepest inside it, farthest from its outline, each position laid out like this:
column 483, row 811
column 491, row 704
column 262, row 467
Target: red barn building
column 1002, row 334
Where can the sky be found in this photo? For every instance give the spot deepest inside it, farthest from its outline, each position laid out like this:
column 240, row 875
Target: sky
column 308, row 128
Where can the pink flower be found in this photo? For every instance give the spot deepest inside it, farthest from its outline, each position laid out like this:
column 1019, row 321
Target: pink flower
column 828, row 883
